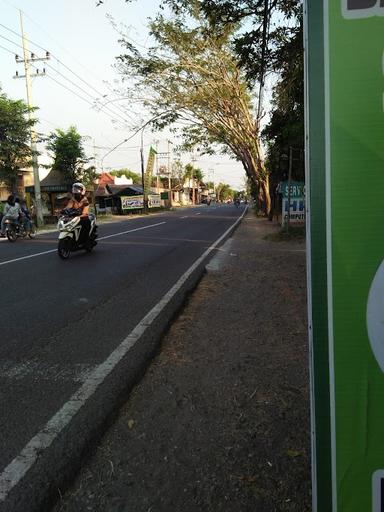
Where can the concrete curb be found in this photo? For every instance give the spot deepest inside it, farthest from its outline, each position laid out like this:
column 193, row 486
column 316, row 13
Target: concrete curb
column 56, row 465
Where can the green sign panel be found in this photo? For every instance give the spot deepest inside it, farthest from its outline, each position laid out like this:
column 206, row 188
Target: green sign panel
column 349, row 44
column 297, row 189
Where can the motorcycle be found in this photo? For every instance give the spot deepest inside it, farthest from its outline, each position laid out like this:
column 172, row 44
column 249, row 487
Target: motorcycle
column 69, row 226
column 15, row 229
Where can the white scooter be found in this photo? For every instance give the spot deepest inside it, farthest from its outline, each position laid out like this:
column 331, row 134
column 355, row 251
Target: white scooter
column 69, row 227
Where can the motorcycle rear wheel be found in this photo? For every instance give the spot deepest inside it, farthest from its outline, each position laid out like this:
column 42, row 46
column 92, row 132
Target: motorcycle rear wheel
column 64, row 248
column 32, row 233
column 91, row 243
column 11, row 235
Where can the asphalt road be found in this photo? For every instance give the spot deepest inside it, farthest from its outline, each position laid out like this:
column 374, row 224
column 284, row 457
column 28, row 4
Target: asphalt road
column 61, row 319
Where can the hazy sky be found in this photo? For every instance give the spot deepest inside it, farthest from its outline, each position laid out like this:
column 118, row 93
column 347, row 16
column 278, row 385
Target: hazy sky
column 84, row 44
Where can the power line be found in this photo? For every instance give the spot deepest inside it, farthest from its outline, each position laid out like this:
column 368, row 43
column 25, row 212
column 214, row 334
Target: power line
column 19, row 35
column 89, row 85
column 10, row 41
column 42, row 29
column 114, row 112
column 106, row 109
column 73, row 57
column 56, row 58
column 68, row 89
column 73, row 92
column 7, row 50
column 127, row 148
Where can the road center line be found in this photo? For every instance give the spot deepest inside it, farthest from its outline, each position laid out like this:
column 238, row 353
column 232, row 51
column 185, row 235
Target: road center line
column 27, row 257
column 101, row 238
column 131, row 230
column 23, row 462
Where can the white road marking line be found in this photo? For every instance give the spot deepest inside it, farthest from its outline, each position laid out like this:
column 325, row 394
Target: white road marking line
column 23, row 462
column 101, row 238
column 198, row 213
column 185, row 217
column 45, row 371
column 131, row 230
column 27, row 257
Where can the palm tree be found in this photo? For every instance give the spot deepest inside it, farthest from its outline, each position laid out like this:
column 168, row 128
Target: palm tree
column 196, row 175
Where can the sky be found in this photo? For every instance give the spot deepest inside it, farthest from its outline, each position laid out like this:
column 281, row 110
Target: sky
column 80, row 74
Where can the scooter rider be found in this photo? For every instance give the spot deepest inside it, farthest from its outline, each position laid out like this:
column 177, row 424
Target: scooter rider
column 80, row 202
column 11, row 211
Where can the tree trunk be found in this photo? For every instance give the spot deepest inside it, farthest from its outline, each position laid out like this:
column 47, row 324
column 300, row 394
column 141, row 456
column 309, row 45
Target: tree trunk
column 266, row 195
column 255, row 170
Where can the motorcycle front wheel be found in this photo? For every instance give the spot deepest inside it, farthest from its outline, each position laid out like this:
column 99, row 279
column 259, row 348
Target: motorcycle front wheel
column 64, row 248
column 11, row 235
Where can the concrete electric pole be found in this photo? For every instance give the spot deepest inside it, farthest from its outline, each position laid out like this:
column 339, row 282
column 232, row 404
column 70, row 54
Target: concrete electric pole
column 35, row 164
column 169, row 142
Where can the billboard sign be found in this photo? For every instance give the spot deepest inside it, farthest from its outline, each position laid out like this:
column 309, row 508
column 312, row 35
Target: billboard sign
column 295, row 197
column 132, row 202
column 349, row 37
column 154, row 201
column 137, row 202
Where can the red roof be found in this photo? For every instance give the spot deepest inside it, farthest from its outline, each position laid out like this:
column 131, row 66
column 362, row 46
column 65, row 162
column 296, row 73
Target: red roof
column 106, row 179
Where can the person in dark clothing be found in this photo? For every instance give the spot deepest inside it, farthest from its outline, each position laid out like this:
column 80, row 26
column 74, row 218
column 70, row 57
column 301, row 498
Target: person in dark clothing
column 80, row 202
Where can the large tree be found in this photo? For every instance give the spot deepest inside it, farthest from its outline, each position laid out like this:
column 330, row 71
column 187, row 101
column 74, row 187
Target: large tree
column 69, row 157
column 270, row 43
column 286, row 125
column 192, row 81
column 15, row 134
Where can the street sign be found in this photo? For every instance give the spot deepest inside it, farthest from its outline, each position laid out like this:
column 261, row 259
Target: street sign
column 295, row 197
column 347, row 36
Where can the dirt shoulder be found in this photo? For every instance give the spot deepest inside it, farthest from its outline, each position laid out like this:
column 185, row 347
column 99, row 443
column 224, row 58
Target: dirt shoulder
column 220, row 422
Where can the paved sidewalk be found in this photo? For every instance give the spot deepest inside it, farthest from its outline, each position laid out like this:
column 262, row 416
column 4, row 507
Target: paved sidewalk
column 220, row 421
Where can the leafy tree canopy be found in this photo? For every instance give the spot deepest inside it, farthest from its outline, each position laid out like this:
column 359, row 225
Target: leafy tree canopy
column 136, row 178
column 15, row 151
column 192, row 78
column 224, row 192
column 257, row 52
column 193, row 173
column 269, row 39
column 69, row 157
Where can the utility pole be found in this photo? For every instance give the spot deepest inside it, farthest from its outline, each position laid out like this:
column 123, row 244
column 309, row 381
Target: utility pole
column 194, row 159
column 35, row 164
column 212, row 173
column 157, row 169
column 289, row 187
column 169, row 172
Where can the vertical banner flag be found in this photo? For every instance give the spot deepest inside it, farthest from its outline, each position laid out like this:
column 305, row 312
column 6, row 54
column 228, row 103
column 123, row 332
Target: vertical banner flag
column 353, row 145
column 149, row 171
